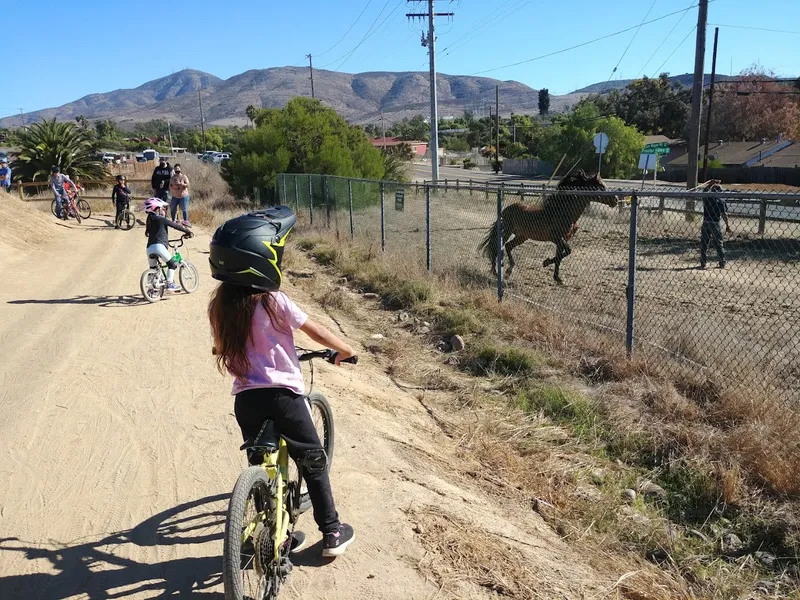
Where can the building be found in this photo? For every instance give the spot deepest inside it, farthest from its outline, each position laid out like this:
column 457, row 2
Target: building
column 735, row 154
column 418, row 148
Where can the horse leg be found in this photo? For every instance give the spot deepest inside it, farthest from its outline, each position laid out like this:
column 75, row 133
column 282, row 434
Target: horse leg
column 509, row 247
column 562, row 251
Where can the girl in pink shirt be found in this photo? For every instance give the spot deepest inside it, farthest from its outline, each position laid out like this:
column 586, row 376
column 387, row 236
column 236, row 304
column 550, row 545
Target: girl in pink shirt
column 253, row 327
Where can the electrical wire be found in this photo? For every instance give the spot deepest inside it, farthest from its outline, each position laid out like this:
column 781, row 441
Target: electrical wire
column 582, row 44
column 756, row 28
column 475, row 31
column 348, row 30
column 370, row 30
column 628, row 47
column 664, row 41
column 683, row 41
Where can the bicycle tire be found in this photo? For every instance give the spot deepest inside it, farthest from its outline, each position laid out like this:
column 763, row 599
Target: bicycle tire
column 74, row 210
column 145, row 285
column 318, row 401
column 126, row 220
column 188, row 287
column 84, row 208
column 251, row 479
column 53, row 208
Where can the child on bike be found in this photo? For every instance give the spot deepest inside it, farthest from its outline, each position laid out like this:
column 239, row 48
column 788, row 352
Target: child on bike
column 120, row 197
column 157, row 231
column 253, row 325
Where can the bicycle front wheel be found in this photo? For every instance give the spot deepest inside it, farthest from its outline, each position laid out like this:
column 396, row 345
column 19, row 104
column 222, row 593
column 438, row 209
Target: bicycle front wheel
column 322, row 415
column 188, row 277
column 53, row 208
column 151, row 287
column 248, row 554
column 74, row 210
column 126, row 220
column 84, row 208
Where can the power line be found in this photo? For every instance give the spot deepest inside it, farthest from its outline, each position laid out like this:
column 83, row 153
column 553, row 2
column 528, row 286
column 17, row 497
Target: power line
column 480, row 28
column 348, row 30
column 664, row 41
column 683, row 41
column 370, row 31
column 581, row 45
column 628, row 47
column 757, row 28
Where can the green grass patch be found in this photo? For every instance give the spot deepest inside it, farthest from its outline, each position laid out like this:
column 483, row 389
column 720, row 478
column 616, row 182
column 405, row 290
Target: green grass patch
column 693, row 493
column 326, row 255
column 507, row 360
column 460, row 321
column 564, row 407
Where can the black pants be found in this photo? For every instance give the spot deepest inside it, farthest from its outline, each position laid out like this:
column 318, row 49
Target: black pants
column 711, row 233
column 120, row 206
column 292, row 417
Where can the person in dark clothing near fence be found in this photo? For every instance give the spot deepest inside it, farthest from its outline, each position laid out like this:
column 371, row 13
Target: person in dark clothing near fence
column 714, row 209
column 120, row 197
column 160, row 180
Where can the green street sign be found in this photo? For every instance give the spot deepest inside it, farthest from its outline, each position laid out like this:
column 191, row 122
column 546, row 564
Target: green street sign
column 399, row 199
column 657, row 145
column 655, row 150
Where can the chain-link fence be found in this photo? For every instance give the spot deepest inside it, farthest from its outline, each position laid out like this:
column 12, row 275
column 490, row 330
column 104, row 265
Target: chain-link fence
column 630, row 261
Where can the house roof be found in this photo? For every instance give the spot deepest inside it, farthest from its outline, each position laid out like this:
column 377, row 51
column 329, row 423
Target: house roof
column 788, row 157
column 735, row 153
column 394, row 141
column 658, row 139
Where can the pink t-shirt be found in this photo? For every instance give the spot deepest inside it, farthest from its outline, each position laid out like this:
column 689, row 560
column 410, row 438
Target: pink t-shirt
column 273, row 359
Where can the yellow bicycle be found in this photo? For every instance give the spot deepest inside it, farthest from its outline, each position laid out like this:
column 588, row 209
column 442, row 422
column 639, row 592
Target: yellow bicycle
column 267, row 501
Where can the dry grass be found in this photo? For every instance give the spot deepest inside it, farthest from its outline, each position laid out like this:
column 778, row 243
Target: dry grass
column 728, row 461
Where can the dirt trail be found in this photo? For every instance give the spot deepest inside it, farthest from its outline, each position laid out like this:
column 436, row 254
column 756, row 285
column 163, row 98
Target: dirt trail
column 119, row 447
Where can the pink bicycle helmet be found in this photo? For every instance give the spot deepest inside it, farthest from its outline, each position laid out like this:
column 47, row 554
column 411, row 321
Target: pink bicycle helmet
column 153, row 204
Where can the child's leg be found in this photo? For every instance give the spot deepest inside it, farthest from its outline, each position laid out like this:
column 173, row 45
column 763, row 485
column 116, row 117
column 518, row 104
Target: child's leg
column 165, row 255
column 292, row 417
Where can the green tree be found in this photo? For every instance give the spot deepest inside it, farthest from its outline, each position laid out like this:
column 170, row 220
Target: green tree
column 653, row 106
column 544, row 101
column 572, row 135
column 47, row 143
column 108, row 131
column 415, row 129
column 82, row 122
column 303, row 137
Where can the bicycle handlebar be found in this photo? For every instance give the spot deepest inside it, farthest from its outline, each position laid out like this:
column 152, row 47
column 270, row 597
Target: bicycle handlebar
column 329, row 355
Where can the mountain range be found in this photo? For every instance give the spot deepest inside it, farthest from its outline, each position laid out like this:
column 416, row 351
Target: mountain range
column 360, row 98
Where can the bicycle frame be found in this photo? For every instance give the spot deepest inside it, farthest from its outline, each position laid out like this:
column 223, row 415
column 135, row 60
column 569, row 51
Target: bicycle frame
column 276, row 465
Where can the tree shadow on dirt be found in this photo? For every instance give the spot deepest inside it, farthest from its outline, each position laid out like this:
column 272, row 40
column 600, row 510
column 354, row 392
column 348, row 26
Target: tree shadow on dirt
column 737, row 248
column 102, row 569
column 115, row 301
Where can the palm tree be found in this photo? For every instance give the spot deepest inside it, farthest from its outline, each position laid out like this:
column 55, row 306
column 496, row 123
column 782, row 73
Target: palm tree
column 47, row 144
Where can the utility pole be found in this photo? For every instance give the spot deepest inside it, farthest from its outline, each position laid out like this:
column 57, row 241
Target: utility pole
column 202, row 122
column 311, row 70
column 710, row 100
column 430, row 43
column 169, row 132
column 497, row 125
column 697, row 98
column 383, row 128
column 21, row 119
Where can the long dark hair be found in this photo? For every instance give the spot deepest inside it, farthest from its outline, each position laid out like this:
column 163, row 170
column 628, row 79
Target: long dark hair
column 230, row 312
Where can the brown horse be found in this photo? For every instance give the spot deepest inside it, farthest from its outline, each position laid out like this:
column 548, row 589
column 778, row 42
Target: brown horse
column 554, row 221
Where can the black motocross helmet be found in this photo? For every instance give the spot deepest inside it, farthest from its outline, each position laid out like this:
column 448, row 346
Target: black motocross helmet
column 248, row 250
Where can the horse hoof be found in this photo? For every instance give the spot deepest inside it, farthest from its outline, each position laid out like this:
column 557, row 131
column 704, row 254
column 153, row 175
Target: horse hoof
column 546, row 263
column 559, row 282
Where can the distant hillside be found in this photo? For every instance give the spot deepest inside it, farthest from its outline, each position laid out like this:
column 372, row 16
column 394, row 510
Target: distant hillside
column 686, row 80
column 358, row 97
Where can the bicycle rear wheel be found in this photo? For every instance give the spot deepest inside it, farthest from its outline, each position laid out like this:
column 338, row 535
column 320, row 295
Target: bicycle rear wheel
column 322, row 415
column 74, row 210
column 84, row 208
column 188, row 277
column 248, row 558
column 150, row 286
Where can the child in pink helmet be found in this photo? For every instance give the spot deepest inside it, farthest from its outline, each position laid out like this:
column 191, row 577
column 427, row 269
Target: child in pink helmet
column 157, row 231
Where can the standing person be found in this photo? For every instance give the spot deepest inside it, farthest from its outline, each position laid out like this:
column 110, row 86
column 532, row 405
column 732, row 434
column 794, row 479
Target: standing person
column 5, row 176
column 120, row 197
column 160, row 180
column 714, row 209
column 57, row 181
column 253, row 324
column 179, row 188
column 157, row 231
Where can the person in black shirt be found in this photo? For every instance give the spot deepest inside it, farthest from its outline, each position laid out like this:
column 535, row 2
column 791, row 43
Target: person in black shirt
column 157, row 231
column 714, row 209
column 160, row 180
column 120, row 197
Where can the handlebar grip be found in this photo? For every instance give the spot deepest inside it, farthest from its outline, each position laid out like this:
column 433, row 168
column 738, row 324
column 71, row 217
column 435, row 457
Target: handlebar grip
column 353, row 360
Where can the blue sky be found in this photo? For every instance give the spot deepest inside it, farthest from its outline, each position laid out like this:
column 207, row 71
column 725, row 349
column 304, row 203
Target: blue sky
column 124, row 44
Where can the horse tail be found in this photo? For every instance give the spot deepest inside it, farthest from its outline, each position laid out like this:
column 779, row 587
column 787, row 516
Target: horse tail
column 489, row 243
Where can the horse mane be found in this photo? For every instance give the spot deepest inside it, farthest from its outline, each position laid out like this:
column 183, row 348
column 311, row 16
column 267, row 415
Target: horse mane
column 576, row 180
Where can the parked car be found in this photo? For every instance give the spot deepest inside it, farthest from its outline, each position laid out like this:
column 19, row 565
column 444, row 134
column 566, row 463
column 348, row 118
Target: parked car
column 222, row 156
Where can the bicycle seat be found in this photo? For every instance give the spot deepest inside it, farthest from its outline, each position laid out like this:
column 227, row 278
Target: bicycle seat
column 155, row 256
column 267, row 439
